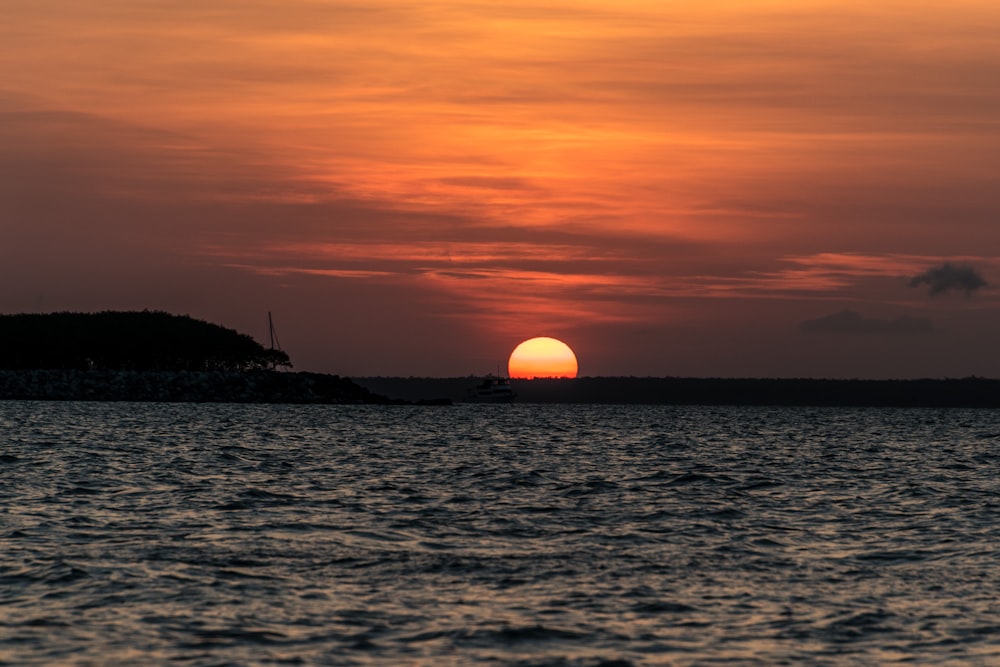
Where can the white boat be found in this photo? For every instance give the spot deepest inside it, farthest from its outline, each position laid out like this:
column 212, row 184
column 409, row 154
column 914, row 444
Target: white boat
column 492, row 389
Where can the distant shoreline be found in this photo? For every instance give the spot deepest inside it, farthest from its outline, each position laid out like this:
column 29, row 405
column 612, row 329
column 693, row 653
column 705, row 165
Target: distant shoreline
column 319, row 388
column 934, row 393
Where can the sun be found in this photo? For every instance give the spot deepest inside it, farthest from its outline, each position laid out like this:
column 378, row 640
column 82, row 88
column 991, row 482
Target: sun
column 542, row 358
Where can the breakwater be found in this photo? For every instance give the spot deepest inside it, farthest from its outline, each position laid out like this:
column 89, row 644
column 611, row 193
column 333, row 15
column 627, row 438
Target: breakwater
column 183, row 387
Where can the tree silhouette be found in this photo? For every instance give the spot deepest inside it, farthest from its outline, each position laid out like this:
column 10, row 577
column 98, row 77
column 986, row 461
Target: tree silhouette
column 136, row 341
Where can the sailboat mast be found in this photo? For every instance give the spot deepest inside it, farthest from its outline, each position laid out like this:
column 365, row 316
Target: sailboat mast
column 275, row 344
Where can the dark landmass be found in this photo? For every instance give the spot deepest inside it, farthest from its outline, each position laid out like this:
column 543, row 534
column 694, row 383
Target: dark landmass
column 129, row 341
column 153, row 356
column 965, row 392
column 184, row 387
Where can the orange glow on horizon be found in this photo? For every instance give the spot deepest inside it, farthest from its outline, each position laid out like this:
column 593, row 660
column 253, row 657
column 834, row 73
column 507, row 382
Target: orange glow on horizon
column 542, row 358
column 710, row 174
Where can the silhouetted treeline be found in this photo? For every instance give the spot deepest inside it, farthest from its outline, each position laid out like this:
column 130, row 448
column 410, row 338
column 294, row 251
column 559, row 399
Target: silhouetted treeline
column 183, row 387
column 128, row 341
column 965, row 392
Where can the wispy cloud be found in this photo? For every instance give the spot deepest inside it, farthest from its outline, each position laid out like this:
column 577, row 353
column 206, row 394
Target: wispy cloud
column 826, row 273
column 434, row 252
column 354, row 274
column 582, row 272
column 859, row 264
column 569, row 161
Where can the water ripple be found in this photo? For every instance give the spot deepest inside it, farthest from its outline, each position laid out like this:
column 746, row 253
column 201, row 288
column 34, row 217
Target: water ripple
column 511, row 535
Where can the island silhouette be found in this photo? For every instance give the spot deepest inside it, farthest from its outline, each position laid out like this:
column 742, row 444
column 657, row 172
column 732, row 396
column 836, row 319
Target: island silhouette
column 129, row 341
column 153, row 356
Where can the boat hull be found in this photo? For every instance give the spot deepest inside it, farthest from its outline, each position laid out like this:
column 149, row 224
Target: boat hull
column 493, row 390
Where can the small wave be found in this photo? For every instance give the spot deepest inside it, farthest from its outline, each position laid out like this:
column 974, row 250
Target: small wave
column 264, row 494
column 254, row 497
column 62, row 574
column 234, row 506
column 572, row 662
column 44, row 622
column 531, row 478
column 659, row 476
column 235, row 637
column 897, row 556
column 724, row 513
column 232, row 574
column 83, row 490
column 860, row 625
column 530, row 633
column 590, row 488
column 760, row 484
column 663, row 607
column 692, row 478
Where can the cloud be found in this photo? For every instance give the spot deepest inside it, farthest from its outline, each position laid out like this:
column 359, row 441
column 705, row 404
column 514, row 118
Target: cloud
column 948, row 277
column 850, row 322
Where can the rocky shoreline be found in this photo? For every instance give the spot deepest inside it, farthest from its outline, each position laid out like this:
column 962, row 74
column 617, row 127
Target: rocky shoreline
column 186, row 387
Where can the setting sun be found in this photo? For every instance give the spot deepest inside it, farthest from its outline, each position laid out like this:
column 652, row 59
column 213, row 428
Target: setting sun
column 542, row 358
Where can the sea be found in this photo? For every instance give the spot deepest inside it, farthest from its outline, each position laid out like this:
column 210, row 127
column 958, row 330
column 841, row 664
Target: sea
column 527, row 535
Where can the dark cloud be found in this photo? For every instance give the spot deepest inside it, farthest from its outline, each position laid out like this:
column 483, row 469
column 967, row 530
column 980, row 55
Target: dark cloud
column 950, row 277
column 850, row 322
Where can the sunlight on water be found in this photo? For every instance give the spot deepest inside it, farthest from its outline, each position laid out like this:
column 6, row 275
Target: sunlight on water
column 522, row 535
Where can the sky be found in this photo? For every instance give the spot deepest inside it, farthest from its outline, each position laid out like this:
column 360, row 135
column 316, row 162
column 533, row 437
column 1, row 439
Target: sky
column 721, row 188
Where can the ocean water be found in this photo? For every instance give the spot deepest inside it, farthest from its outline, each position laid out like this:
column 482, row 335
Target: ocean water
column 528, row 535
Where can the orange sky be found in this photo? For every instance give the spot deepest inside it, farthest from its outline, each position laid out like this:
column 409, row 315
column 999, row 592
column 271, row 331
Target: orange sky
column 413, row 188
